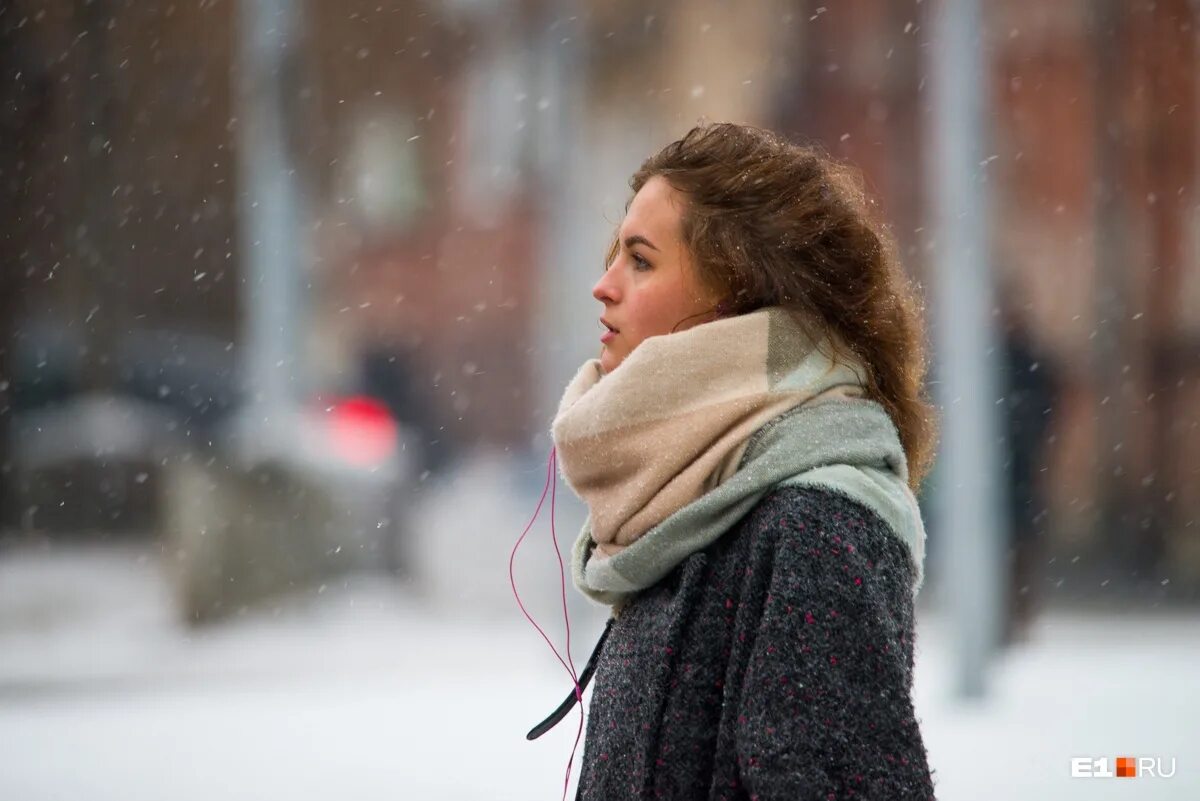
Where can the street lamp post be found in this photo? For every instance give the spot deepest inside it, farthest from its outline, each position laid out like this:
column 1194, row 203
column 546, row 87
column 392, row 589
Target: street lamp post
column 969, row 510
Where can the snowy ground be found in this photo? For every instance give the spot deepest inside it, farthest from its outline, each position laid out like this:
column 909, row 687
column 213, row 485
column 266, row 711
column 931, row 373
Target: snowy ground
column 368, row 692
column 365, row 694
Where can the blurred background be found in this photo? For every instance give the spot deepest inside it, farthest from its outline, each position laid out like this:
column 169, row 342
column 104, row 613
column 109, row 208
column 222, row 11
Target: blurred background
column 289, row 292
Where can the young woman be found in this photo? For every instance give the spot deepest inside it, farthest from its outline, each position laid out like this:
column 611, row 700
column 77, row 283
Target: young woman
column 748, row 444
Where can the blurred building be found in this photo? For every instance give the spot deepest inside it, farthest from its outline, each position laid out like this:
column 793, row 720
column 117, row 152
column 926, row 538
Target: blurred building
column 464, row 162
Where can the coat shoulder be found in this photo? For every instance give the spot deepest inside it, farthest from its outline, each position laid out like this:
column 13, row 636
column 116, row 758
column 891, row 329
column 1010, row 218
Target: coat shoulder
column 825, row 708
column 789, row 522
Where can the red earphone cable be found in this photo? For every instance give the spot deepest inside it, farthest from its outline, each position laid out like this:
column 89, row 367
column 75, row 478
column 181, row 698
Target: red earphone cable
column 569, row 662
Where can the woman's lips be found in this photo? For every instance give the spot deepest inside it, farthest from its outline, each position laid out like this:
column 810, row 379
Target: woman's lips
column 607, row 336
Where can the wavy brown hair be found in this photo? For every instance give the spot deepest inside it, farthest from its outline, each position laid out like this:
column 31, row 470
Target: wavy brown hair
column 772, row 223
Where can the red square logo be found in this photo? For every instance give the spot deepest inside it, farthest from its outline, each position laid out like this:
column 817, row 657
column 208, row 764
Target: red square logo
column 1126, row 767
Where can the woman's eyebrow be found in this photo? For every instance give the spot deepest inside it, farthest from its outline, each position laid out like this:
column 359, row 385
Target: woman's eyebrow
column 638, row 239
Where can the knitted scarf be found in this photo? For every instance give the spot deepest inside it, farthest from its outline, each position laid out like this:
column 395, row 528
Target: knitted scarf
column 679, row 442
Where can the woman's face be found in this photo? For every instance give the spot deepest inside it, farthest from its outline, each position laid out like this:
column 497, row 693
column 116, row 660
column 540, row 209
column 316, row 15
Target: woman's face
column 650, row 286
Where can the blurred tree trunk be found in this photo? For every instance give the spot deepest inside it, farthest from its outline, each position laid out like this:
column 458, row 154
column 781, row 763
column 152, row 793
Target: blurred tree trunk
column 1146, row 171
column 24, row 110
column 1171, row 155
column 98, row 273
column 1116, row 513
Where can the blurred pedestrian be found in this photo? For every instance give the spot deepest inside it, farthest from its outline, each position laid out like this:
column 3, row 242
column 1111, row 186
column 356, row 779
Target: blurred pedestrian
column 748, row 443
column 1030, row 390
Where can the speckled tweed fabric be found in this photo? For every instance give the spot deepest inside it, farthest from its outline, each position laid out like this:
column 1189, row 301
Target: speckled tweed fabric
column 774, row 664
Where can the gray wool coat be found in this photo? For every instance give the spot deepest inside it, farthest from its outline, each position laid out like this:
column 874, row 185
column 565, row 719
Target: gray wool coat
column 774, row 664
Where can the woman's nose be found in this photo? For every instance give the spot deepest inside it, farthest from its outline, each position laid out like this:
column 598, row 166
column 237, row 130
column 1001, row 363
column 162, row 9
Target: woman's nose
column 605, row 290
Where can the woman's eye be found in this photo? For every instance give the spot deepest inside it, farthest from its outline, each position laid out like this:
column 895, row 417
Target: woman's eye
column 640, row 263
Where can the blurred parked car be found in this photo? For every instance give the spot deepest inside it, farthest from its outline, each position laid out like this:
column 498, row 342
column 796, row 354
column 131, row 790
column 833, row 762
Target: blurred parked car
column 252, row 502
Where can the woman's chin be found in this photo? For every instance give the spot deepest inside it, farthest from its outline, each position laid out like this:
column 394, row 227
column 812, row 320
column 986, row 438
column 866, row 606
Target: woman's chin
column 609, row 361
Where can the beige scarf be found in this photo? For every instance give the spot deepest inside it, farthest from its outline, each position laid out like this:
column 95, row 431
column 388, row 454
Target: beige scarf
column 672, row 421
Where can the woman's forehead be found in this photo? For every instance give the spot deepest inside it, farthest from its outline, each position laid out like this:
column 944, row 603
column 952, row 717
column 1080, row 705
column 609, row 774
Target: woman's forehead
column 654, row 213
